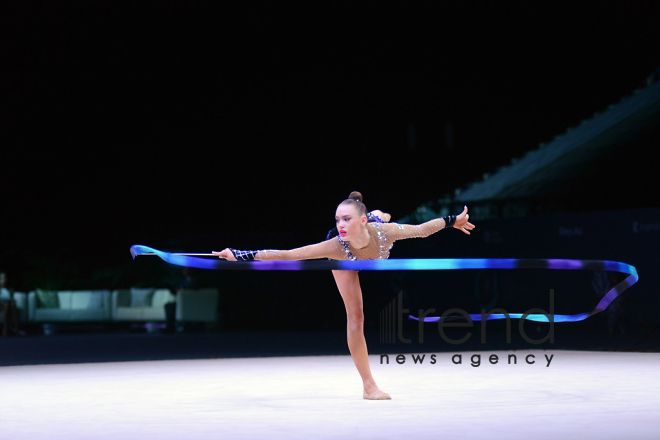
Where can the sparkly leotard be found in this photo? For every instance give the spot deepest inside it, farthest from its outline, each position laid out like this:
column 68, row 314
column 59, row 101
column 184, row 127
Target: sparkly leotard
column 377, row 237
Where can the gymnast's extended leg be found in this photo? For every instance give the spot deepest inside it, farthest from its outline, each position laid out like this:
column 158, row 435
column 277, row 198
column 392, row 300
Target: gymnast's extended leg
column 348, row 284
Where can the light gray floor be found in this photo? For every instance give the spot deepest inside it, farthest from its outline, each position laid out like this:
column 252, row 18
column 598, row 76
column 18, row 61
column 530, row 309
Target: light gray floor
column 580, row 395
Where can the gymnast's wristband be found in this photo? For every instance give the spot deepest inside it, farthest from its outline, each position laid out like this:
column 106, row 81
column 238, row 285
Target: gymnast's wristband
column 449, row 221
column 243, row 255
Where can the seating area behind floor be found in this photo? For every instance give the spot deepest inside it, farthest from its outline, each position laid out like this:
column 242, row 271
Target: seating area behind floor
column 49, row 311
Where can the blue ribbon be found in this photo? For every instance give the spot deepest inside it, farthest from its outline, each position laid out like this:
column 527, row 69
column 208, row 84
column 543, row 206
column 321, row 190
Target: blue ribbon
column 424, row 264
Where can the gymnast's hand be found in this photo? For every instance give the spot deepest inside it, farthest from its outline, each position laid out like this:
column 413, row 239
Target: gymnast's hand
column 462, row 222
column 226, row 254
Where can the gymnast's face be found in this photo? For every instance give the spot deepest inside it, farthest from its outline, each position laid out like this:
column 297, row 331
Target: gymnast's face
column 349, row 221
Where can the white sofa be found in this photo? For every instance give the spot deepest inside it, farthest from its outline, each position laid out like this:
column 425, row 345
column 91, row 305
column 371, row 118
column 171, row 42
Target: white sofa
column 148, row 305
column 197, row 305
column 20, row 298
column 140, row 305
column 73, row 306
column 128, row 305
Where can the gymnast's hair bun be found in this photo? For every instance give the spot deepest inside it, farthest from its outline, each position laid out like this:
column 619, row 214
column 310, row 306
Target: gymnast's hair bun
column 355, row 196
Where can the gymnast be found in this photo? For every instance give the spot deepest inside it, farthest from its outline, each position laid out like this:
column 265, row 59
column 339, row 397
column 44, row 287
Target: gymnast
column 360, row 236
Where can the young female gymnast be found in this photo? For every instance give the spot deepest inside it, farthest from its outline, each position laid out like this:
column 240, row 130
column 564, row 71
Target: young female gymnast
column 361, row 236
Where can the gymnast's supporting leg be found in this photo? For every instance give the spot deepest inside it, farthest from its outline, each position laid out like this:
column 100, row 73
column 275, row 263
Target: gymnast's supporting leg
column 348, row 284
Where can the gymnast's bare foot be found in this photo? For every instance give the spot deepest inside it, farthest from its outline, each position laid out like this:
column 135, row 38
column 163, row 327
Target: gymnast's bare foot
column 374, row 393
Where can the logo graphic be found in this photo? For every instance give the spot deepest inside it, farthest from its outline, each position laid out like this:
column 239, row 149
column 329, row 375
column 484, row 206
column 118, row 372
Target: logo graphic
column 392, row 316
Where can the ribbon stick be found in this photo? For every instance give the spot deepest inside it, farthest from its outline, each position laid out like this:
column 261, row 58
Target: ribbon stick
column 423, row 264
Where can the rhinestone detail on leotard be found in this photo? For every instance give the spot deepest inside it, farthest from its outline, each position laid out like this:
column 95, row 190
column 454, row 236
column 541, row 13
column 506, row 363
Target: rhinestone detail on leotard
column 347, row 250
column 383, row 245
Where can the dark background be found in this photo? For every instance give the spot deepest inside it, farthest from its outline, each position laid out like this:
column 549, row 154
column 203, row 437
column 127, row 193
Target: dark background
column 196, row 125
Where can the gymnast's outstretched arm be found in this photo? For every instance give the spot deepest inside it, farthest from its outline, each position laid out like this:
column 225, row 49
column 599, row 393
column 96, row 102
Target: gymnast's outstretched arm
column 324, row 249
column 399, row 231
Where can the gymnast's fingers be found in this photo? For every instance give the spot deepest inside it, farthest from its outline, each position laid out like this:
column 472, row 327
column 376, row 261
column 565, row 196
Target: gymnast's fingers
column 224, row 254
column 227, row 254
